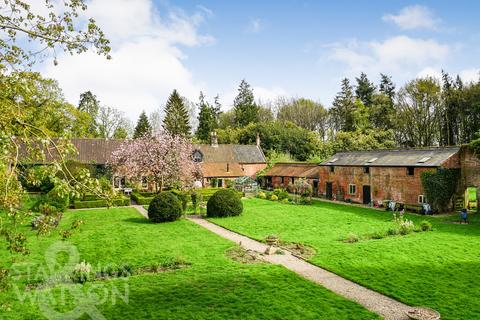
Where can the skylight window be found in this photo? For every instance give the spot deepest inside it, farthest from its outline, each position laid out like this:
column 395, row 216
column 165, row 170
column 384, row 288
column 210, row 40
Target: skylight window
column 333, row 160
column 372, row 160
column 423, row 160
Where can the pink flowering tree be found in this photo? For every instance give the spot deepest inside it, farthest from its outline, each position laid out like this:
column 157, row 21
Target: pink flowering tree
column 162, row 158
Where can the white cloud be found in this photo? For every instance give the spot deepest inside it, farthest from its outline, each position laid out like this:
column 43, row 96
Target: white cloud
column 470, row 75
column 430, row 73
column 399, row 55
column 414, row 17
column 262, row 95
column 148, row 62
column 254, row 26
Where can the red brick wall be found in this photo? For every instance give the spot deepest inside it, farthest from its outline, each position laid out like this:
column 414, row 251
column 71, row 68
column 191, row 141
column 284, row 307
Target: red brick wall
column 385, row 183
column 252, row 169
column 470, row 165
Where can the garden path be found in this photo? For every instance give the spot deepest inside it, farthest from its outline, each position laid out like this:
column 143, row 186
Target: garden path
column 386, row 307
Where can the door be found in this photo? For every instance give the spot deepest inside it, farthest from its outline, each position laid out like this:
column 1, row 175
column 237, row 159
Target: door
column 329, row 191
column 367, row 197
column 315, row 187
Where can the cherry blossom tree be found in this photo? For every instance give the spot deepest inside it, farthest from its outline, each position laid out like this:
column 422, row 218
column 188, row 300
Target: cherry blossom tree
column 163, row 158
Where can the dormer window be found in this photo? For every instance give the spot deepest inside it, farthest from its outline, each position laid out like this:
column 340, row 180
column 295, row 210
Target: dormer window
column 197, row 156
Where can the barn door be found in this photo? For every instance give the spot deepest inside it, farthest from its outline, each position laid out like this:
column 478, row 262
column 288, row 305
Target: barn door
column 367, row 198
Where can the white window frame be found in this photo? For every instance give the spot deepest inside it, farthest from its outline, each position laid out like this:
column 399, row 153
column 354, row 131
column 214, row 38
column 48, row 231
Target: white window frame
column 421, row 199
column 350, row 189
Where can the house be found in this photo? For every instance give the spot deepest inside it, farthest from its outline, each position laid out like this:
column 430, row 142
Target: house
column 219, row 162
column 281, row 175
column 374, row 176
column 225, row 162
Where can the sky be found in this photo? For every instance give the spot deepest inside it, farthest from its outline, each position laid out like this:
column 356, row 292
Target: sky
column 283, row 48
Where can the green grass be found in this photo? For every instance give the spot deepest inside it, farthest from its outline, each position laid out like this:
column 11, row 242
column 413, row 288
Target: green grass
column 438, row 269
column 212, row 287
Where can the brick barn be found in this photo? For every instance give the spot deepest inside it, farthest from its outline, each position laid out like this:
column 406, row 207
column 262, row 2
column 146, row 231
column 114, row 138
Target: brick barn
column 366, row 176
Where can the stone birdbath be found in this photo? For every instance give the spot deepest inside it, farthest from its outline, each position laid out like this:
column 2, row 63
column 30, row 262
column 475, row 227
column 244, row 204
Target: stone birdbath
column 422, row 313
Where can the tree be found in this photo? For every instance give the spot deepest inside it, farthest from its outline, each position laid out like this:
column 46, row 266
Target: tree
column 120, row 133
column 176, row 119
column 55, row 29
column 244, row 106
column 386, row 86
column 342, row 112
column 450, row 112
column 305, row 113
column 155, row 120
column 364, row 90
column 382, row 112
column 143, row 126
column 164, row 159
column 109, row 121
column 418, row 105
column 207, row 119
column 90, row 105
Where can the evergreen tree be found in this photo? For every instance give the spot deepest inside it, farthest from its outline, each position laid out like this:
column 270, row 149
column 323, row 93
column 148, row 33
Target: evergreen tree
column 90, row 104
column 176, row 119
column 386, row 86
column 364, row 90
column 207, row 120
column 244, row 106
column 143, row 127
column 217, row 107
column 342, row 112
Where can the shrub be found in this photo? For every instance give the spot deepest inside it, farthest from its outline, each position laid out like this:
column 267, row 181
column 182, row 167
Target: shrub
column 425, row 225
column 393, row 231
column 406, row 227
column 164, row 208
column 119, row 202
column 224, row 203
column 183, row 197
column 285, row 201
column 377, row 235
column 53, row 199
column 142, row 198
column 269, row 195
column 283, row 195
column 262, row 195
column 277, row 192
column 82, row 272
column 351, row 238
column 305, row 200
column 274, row 197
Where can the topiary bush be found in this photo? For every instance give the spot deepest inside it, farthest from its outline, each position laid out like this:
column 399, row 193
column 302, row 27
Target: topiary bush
column 164, row 208
column 183, row 197
column 224, row 203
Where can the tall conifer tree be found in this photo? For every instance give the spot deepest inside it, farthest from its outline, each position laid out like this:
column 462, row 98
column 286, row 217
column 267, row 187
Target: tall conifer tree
column 176, row 119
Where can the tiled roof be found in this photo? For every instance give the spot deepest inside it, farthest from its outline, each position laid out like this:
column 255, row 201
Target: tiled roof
column 301, row 170
column 219, row 169
column 231, row 153
column 431, row 157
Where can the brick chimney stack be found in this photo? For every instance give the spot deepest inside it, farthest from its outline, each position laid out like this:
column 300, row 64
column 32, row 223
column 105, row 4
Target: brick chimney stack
column 214, row 139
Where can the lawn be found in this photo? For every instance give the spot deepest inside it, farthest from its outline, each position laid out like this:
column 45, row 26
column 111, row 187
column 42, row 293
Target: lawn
column 212, row 287
column 439, row 269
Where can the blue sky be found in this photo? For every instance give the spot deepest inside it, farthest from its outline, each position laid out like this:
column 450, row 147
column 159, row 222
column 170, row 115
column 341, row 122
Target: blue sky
column 282, row 48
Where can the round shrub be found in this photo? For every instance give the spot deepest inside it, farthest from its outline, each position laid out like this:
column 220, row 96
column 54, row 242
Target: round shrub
column 224, row 203
column 285, row 201
column 283, row 195
column 164, row 208
column 262, row 195
column 425, row 226
column 274, row 197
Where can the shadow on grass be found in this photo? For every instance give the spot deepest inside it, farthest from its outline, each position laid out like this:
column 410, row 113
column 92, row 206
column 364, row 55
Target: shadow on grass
column 138, row 220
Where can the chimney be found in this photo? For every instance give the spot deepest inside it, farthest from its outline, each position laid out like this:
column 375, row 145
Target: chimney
column 214, row 139
column 258, row 140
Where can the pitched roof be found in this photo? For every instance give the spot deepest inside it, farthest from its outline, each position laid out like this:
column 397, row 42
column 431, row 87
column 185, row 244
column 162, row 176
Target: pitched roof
column 219, row 169
column 231, row 153
column 431, row 157
column 301, row 170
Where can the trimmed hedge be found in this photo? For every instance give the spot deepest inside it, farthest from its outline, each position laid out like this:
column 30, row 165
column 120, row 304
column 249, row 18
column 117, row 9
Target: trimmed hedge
column 142, row 198
column 224, row 203
column 165, row 207
column 119, row 202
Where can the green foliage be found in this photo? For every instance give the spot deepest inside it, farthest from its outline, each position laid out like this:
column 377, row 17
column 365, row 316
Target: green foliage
column 274, row 197
column 143, row 126
column 207, row 120
column 224, row 203
column 100, row 203
column 351, row 238
column 475, row 144
column 261, row 195
column 90, row 105
column 364, row 90
column 244, row 106
column 304, row 113
column 55, row 199
column 343, row 108
column 440, row 186
column 183, row 197
column 176, row 120
column 141, row 199
column 165, row 207
column 425, row 225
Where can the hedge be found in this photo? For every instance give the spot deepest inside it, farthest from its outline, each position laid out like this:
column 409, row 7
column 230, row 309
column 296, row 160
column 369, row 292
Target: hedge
column 141, row 198
column 119, row 202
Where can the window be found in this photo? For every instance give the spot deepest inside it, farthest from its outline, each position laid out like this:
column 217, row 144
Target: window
column 144, row 183
column 423, row 160
column 366, row 170
column 197, row 156
column 352, row 189
column 332, row 169
column 283, row 180
column 421, row 199
column 292, row 180
column 372, row 160
column 116, row 182
column 410, row 171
